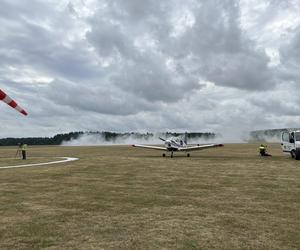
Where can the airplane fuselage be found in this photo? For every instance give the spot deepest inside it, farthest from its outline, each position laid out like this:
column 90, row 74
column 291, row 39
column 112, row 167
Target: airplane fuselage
column 174, row 144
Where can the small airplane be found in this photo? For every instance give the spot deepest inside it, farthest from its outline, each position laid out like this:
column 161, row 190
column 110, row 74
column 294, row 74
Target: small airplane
column 176, row 144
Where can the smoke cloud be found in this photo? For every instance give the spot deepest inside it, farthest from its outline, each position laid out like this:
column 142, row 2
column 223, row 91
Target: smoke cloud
column 97, row 139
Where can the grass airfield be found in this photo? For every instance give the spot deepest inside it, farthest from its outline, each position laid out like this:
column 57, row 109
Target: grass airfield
column 118, row 197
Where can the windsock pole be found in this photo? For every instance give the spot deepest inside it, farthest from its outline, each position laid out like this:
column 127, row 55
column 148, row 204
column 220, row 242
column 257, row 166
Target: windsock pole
column 5, row 98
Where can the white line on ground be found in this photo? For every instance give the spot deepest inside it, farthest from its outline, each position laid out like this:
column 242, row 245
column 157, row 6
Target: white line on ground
column 66, row 159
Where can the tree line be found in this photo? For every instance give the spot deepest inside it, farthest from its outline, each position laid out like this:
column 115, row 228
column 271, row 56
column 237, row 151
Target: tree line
column 55, row 140
column 108, row 136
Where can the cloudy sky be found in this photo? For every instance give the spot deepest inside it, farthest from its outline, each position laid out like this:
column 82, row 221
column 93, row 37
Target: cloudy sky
column 146, row 65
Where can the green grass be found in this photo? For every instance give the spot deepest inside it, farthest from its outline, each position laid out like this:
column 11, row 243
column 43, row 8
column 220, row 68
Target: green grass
column 120, row 197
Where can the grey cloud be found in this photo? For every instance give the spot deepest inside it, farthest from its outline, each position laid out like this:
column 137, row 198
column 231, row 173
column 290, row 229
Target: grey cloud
column 216, row 29
column 16, row 10
column 99, row 99
column 291, row 51
column 277, row 107
column 38, row 40
column 290, row 58
column 152, row 81
column 109, row 40
column 141, row 73
column 221, row 51
column 142, row 65
column 245, row 71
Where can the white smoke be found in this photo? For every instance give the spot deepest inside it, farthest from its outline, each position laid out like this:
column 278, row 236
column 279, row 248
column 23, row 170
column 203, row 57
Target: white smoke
column 269, row 135
column 271, row 139
column 232, row 136
column 275, row 138
column 98, row 139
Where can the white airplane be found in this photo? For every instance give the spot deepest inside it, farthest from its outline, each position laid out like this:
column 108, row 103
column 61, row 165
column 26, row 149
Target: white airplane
column 176, row 144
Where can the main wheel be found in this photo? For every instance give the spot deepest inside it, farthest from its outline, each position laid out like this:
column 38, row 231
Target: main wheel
column 188, row 155
column 293, row 154
column 164, row 155
column 297, row 154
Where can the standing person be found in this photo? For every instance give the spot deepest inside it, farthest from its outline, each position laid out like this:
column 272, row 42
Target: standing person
column 24, row 148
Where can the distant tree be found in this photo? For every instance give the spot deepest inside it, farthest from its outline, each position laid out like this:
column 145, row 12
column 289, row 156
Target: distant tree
column 107, row 136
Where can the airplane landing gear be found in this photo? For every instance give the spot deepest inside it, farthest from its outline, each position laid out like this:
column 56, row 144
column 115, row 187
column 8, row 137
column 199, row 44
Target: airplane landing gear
column 171, row 154
column 188, row 155
column 164, row 155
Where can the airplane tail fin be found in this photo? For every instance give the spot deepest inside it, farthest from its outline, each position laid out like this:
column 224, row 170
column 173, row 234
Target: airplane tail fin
column 185, row 138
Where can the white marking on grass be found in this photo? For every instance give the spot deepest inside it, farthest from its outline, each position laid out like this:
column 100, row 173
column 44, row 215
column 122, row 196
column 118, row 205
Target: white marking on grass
column 66, row 159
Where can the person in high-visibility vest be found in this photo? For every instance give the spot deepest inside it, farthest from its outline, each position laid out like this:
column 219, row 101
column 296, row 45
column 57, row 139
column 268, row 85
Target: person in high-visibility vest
column 263, row 150
column 23, row 149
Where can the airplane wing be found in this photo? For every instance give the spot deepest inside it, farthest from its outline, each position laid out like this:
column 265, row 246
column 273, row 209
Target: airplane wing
column 200, row 147
column 149, row 147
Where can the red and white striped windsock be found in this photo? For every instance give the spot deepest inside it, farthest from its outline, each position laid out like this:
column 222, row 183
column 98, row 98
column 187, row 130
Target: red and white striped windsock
column 5, row 98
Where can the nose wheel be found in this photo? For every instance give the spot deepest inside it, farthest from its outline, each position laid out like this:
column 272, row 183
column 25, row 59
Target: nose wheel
column 188, row 155
column 171, row 154
column 163, row 155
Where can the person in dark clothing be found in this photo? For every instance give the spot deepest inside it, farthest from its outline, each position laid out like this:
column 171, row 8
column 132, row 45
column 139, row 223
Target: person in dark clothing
column 263, row 150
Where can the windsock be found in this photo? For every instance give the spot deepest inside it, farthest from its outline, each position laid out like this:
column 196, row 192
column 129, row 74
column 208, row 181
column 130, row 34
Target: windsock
column 5, row 98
